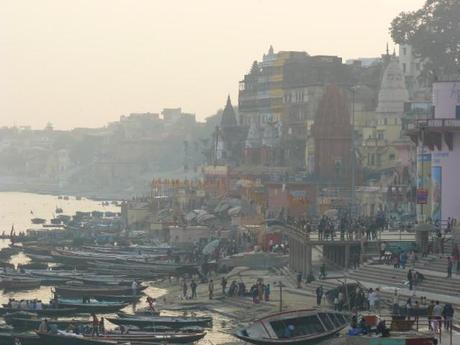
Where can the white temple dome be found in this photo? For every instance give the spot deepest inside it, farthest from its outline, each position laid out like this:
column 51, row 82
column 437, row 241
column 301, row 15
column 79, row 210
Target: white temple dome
column 393, row 92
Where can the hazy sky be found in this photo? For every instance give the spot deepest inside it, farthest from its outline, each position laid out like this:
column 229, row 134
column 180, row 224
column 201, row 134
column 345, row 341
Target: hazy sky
column 86, row 62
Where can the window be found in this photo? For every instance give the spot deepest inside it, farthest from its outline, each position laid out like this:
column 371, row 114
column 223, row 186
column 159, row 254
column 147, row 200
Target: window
column 404, row 51
column 404, row 67
column 391, row 157
column 457, row 112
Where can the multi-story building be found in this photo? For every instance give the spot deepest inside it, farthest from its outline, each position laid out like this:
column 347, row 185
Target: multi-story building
column 438, row 141
column 278, row 97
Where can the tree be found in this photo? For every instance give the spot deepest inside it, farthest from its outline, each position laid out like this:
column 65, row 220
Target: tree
column 434, row 34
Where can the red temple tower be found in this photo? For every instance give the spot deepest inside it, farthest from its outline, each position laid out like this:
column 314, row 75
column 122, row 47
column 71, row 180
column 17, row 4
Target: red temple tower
column 332, row 133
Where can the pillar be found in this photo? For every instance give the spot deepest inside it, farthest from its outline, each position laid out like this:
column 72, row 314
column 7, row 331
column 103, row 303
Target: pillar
column 308, row 259
column 347, row 256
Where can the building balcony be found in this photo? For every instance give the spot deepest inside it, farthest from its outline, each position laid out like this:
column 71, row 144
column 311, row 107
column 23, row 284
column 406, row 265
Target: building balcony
column 433, row 131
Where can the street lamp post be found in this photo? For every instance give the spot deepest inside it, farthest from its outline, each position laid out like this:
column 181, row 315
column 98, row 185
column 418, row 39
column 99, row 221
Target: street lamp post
column 281, row 285
column 353, row 154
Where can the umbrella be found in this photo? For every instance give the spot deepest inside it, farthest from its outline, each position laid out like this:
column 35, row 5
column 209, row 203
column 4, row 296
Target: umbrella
column 210, row 248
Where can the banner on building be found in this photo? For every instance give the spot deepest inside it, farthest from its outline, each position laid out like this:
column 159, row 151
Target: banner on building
column 436, row 188
column 422, row 196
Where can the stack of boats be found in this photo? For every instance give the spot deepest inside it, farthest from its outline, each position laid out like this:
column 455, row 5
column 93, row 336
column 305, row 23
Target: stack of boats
column 91, row 280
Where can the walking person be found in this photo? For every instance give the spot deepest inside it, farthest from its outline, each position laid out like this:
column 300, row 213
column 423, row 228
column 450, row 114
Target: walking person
column 193, row 286
column 101, row 326
column 448, row 315
column 429, row 314
column 409, row 278
column 223, row 283
column 319, row 295
column 184, row 289
column 267, row 293
column 371, row 299
column 95, row 324
column 437, row 317
column 450, row 265
column 456, row 257
column 211, row 289
column 408, row 308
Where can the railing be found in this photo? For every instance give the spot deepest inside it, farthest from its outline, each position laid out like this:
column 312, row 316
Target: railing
column 434, row 123
column 405, row 323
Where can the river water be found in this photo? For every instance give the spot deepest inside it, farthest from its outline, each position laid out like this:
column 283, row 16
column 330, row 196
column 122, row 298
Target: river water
column 17, row 209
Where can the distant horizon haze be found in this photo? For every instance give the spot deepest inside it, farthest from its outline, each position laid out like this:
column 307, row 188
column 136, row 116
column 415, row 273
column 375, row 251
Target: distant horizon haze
column 85, row 63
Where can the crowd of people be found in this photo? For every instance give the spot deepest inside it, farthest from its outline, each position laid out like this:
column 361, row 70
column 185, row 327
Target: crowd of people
column 343, row 226
column 26, row 305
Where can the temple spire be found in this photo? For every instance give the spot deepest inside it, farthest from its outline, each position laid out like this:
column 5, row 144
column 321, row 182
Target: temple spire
column 228, row 116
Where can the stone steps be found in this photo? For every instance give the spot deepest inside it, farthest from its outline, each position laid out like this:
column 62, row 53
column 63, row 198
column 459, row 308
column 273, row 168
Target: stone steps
column 432, row 284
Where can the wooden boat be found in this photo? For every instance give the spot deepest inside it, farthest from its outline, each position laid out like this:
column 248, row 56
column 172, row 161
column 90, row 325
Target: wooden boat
column 70, row 291
column 13, row 283
column 46, row 311
column 169, row 321
column 306, row 327
column 144, row 338
column 24, row 338
column 139, row 313
column 92, row 307
column 55, row 221
column 118, row 298
column 26, row 322
column 34, row 266
column 8, row 252
column 401, row 339
column 72, row 339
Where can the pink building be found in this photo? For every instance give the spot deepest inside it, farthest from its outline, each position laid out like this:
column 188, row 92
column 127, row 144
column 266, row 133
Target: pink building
column 439, row 137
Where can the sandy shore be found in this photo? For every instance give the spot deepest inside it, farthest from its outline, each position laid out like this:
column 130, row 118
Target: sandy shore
column 234, row 312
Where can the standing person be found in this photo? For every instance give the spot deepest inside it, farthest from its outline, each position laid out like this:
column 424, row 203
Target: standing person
column 429, row 314
column 134, row 287
column 184, row 289
column 224, row 285
column 371, row 299
column 267, row 293
column 341, row 300
column 260, row 290
column 336, row 303
column 102, row 326
column 383, row 245
column 43, row 328
column 403, row 260
column 377, row 299
column 322, row 271
column 408, row 308
column 450, row 265
column 456, row 257
column 416, row 310
column 319, row 295
column 409, row 278
column 193, row 286
column 437, row 317
column 95, row 325
column 211, row 289
column 448, row 315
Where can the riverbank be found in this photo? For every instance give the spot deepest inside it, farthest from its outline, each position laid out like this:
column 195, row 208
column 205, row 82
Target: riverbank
column 231, row 313
column 56, row 190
